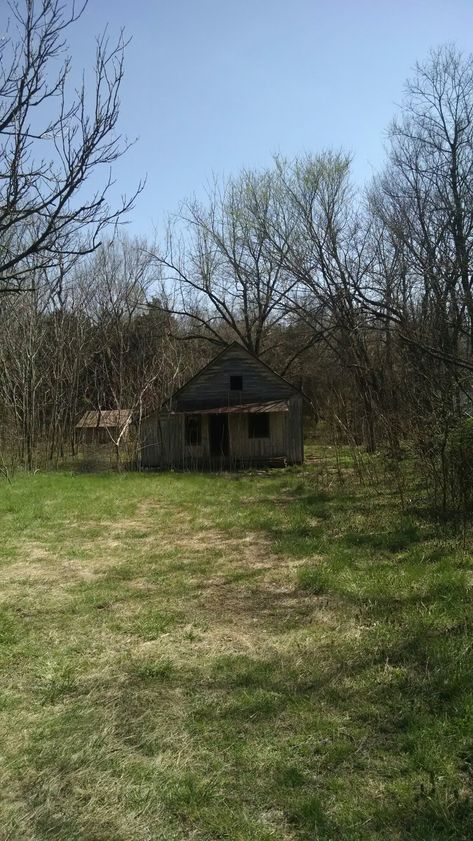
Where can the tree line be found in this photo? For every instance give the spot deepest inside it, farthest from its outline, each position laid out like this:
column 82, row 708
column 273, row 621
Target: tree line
column 361, row 296
column 364, row 295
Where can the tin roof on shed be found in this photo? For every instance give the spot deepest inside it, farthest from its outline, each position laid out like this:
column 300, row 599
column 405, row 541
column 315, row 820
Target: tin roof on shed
column 104, row 419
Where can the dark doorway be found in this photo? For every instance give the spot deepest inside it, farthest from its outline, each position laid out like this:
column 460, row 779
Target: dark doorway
column 218, row 435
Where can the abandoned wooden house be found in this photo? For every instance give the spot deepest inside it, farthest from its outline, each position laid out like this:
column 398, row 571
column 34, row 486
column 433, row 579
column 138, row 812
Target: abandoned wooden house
column 235, row 412
column 104, row 426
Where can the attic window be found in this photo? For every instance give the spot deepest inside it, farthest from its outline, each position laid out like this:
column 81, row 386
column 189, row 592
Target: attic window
column 193, row 429
column 258, row 425
column 236, row 383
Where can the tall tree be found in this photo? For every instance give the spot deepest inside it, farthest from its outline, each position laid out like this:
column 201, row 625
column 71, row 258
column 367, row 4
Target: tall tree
column 57, row 141
column 220, row 271
column 424, row 200
column 327, row 258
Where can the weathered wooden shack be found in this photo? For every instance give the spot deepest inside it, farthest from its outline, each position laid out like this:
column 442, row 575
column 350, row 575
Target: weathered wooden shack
column 104, row 426
column 235, row 412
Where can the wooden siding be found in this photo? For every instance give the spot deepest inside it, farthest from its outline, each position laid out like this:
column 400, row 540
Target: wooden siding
column 163, row 441
column 100, row 435
column 164, row 444
column 211, row 387
column 257, row 449
column 295, row 431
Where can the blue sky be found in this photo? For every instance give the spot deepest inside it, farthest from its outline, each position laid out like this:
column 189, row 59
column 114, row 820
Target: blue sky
column 213, row 86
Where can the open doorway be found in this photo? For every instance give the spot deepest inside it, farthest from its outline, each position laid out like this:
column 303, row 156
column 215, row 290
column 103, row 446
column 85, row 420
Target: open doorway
column 218, row 435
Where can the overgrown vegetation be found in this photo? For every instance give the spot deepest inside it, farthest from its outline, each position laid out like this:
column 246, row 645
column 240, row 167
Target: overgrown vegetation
column 278, row 655
column 362, row 298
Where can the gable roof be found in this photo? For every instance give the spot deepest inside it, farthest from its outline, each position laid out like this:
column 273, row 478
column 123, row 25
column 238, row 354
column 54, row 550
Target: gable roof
column 221, row 353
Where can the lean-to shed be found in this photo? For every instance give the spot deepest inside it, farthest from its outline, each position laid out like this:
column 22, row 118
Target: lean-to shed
column 235, row 412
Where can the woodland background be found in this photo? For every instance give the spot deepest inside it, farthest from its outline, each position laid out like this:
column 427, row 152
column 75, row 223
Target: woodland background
column 361, row 297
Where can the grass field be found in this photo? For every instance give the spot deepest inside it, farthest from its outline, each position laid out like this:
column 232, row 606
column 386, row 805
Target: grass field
column 231, row 657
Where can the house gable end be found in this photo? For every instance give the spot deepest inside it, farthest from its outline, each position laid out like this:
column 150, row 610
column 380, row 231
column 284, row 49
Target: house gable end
column 213, row 386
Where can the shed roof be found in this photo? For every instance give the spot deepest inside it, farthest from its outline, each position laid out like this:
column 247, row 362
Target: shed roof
column 244, row 408
column 105, row 419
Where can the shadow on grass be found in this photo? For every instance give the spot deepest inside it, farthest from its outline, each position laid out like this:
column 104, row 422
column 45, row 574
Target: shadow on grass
column 308, row 734
column 405, row 678
column 394, row 540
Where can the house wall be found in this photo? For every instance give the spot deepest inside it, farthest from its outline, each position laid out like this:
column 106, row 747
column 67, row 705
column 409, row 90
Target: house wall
column 164, row 446
column 96, row 435
column 102, row 435
column 211, row 387
column 294, row 442
column 257, row 449
column 163, row 440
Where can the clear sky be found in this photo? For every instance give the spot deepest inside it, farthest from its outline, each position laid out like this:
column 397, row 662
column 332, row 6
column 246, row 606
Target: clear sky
column 213, row 86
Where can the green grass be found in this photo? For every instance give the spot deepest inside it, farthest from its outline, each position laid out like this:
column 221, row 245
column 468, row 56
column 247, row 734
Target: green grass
column 270, row 656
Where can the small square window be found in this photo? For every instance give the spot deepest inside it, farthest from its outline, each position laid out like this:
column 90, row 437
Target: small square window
column 258, row 425
column 236, row 383
column 193, row 429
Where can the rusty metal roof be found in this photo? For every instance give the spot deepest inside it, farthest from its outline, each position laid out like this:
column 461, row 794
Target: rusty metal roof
column 105, row 419
column 245, row 408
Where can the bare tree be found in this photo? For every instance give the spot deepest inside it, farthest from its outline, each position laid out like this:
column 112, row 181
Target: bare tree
column 424, row 200
column 134, row 363
column 57, row 141
column 221, row 273
column 327, row 258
